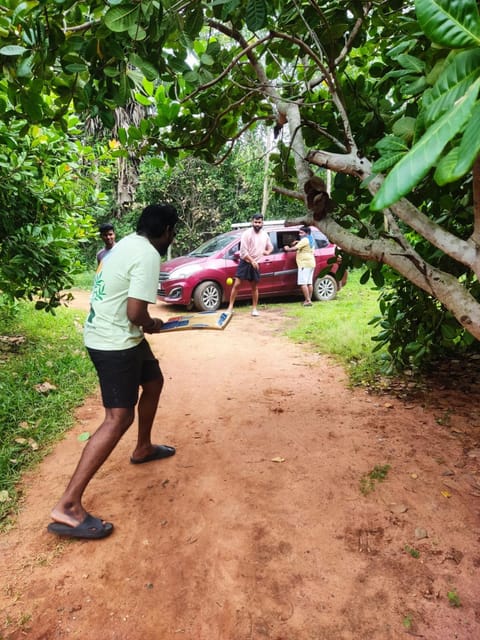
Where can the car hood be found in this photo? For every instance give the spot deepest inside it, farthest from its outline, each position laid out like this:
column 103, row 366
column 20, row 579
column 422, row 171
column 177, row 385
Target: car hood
column 170, row 265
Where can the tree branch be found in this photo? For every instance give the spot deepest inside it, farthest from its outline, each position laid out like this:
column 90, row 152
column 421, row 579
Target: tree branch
column 404, row 259
column 475, row 237
column 464, row 251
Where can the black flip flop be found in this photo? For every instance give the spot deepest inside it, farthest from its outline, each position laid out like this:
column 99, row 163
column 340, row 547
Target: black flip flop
column 160, row 451
column 90, row 529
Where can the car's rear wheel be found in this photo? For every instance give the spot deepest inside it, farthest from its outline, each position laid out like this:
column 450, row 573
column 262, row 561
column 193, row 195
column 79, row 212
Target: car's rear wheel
column 325, row 288
column 207, row 296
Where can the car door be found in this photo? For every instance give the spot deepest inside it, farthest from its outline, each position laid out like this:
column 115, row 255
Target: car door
column 278, row 271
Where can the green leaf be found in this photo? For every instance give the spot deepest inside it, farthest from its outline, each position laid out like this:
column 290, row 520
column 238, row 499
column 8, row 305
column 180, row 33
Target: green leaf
column 425, row 153
column 365, row 277
column 194, row 22
column 386, row 162
column 404, row 128
column 120, row 19
column 445, row 171
column 143, row 100
column 83, row 437
column 256, row 14
column 12, row 50
column 76, row 67
column 229, row 8
column 124, row 89
column 470, row 145
column 145, row 67
column 453, row 83
column 122, row 136
column 136, row 32
column 411, row 63
column 451, row 23
column 391, row 143
column 24, row 67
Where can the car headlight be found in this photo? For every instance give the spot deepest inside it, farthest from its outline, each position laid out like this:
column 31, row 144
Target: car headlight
column 184, row 271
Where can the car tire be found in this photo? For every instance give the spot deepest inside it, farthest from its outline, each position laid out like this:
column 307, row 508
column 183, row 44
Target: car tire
column 207, row 296
column 325, row 288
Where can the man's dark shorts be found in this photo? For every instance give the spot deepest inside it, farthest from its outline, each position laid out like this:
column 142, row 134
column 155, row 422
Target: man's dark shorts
column 245, row 271
column 121, row 373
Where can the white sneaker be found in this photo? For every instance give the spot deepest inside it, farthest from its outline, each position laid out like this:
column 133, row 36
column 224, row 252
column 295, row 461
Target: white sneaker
column 255, row 313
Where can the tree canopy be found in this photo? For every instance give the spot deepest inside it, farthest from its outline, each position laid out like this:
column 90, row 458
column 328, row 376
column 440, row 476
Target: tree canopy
column 380, row 97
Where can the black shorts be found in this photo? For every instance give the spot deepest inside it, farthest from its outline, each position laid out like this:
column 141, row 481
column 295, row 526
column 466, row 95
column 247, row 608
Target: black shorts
column 245, row 271
column 121, row 373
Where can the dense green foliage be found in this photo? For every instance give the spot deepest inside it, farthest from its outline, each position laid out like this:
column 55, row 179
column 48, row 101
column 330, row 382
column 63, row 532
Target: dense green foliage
column 47, row 204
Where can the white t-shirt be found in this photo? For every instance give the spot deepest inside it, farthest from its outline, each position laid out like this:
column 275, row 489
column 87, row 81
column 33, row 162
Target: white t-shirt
column 129, row 270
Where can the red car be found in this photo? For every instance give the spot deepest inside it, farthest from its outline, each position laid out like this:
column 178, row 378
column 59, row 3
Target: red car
column 199, row 279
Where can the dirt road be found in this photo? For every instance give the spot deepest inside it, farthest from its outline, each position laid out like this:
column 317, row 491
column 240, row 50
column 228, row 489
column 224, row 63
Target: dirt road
column 268, row 523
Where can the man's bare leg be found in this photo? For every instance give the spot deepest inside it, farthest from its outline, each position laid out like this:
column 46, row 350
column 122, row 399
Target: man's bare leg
column 233, row 294
column 254, row 297
column 69, row 509
column 147, row 409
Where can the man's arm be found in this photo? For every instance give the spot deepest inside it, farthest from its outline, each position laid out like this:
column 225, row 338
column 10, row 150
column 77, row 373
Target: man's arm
column 268, row 246
column 137, row 313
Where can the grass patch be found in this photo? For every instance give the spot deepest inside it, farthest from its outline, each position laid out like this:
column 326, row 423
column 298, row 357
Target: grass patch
column 49, row 349
column 340, row 327
column 84, row 280
column 369, row 481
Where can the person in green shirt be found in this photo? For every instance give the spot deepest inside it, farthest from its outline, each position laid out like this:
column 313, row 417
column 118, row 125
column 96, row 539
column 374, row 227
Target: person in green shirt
column 125, row 284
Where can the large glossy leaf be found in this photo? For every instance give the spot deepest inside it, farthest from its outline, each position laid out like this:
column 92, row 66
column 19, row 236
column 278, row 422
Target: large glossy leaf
column 451, row 23
column 470, row 145
column 445, row 171
column 146, row 68
column 122, row 18
column 12, row 50
column 256, row 14
column 423, row 155
column 453, row 83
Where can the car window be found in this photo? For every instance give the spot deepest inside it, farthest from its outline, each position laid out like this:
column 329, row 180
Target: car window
column 211, row 246
column 286, row 237
column 321, row 240
column 233, row 250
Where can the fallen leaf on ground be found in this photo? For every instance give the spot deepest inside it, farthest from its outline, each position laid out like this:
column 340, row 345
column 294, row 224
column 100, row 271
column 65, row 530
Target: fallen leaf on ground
column 45, row 387
column 278, row 459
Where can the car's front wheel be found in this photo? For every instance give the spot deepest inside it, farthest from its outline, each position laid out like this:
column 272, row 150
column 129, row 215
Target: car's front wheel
column 207, row 296
column 325, row 288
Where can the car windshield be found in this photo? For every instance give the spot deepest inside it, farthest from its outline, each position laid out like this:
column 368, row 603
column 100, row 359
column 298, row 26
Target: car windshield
column 211, row 246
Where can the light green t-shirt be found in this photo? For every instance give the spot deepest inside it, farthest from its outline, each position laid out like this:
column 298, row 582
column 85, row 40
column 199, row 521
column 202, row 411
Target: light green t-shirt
column 129, row 270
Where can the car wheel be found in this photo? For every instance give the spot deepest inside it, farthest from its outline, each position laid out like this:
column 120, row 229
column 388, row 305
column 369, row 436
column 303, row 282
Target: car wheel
column 207, row 296
column 325, row 288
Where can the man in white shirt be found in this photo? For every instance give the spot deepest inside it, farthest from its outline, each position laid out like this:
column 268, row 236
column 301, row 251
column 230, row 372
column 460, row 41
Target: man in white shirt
column 125, row 284
column 107, row 234
column 254, row 243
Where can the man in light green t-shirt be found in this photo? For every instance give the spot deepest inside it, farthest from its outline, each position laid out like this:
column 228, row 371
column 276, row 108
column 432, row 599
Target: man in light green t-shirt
column 125, row 284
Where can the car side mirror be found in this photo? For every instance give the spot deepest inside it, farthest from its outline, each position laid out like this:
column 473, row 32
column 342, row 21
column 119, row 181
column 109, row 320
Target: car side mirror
column 236, row 255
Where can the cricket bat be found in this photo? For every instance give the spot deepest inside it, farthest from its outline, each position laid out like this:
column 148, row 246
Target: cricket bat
column 202, row 320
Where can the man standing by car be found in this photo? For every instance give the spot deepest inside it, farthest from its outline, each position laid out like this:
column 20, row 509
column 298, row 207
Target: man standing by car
column 114, row 336
column 254, row 243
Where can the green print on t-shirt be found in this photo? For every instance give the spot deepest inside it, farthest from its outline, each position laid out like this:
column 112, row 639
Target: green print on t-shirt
column 98, row 293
